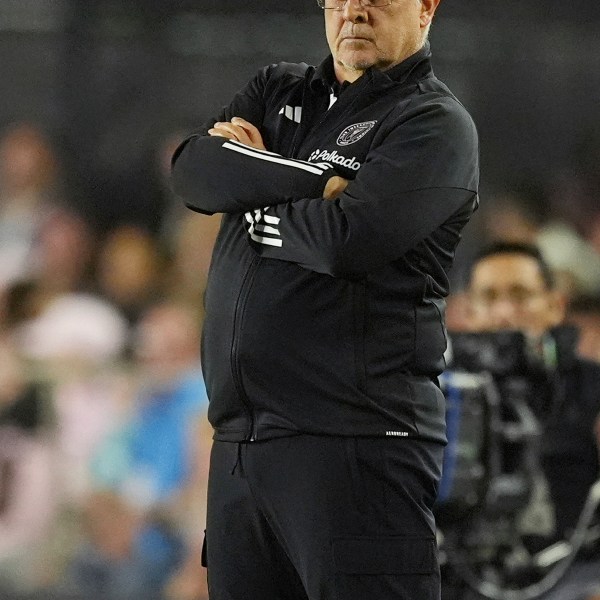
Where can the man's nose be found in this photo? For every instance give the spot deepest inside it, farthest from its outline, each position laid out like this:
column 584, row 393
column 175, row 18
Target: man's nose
column 504, row 313
column 354, row 11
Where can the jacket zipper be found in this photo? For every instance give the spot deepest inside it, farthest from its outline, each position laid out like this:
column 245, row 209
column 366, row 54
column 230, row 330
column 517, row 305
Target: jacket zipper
column 236, row 370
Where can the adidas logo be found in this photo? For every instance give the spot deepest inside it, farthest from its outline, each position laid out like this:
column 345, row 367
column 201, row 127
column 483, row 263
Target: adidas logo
column 293, row 113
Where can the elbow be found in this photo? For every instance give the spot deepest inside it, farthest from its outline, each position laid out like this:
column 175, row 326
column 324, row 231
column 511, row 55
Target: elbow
column 188, row 185
column 182, row 180
column 191, row 198
column 194, row 199
column 177, row 183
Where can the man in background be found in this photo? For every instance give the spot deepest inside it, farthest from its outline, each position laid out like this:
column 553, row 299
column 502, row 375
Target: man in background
column 512, row 288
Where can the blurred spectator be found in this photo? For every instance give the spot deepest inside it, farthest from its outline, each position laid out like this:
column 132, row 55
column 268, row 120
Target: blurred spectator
column 28, row 180
column 58, row 264
column 62, row 253
column 512, row 288
column 129, row 270
column 192, row 246
column 70, row 341
column 74, row 329
column 28, row 486
column 146, row 520
column 73, row 343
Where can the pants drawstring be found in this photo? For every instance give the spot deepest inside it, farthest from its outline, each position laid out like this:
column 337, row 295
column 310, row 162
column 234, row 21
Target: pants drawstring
column 238, row 461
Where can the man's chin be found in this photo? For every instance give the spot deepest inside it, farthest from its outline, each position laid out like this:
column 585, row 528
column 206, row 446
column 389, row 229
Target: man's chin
column 357, row 63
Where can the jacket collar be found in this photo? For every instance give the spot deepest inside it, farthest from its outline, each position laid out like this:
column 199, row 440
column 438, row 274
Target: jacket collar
column 413, row 68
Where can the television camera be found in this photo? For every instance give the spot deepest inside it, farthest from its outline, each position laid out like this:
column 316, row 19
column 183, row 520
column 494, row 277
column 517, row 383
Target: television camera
column 493, row 513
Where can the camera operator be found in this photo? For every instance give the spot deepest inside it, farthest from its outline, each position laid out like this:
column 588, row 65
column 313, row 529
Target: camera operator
column 512, row 288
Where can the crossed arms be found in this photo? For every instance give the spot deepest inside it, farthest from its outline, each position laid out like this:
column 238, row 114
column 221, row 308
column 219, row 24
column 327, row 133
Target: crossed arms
column 423, row 177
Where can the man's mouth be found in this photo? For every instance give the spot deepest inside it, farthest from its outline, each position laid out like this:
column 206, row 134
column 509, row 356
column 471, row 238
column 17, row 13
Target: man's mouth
column 355, row 38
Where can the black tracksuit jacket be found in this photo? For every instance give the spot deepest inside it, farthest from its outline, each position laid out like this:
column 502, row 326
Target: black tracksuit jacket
column 326, row 317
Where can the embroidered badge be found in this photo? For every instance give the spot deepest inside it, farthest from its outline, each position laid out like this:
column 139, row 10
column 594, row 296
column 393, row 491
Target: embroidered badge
column 355, row 132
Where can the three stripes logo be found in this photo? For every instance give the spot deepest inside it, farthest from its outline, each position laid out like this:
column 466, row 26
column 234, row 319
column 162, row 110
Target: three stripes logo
column 293, row 113
column 263, row 227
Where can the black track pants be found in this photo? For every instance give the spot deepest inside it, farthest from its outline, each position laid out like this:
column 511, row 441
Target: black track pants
column 323, row 518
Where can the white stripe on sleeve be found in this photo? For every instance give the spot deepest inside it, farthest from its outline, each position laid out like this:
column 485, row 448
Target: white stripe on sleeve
column 269, row 157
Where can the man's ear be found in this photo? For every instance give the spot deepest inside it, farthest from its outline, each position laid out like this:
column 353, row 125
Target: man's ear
column 428, row 8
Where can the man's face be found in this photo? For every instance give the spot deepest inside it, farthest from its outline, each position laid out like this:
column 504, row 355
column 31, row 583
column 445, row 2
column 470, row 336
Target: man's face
column 508, row 292
column 362, row 37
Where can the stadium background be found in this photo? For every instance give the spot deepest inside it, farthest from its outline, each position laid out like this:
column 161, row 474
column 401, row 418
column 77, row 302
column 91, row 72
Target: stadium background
column 110, row 84
column 108, row 77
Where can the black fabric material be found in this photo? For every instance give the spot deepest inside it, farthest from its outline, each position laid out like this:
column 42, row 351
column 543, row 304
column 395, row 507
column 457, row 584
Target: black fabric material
column 327, row 317
column 323, row 518
column 401, row 555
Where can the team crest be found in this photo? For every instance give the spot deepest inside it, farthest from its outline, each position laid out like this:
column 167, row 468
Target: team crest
column 355, row 132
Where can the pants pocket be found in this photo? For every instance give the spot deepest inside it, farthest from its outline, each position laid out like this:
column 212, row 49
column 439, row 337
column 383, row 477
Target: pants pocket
column 393, row 567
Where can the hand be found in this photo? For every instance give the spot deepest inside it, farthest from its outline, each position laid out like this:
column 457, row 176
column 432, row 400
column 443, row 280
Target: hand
column 334, row 187
column 239, row 130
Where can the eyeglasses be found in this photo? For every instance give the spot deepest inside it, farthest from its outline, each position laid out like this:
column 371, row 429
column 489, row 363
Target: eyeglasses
column 339, row 4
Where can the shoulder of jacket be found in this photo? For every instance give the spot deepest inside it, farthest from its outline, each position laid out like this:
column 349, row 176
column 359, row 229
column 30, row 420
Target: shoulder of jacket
column 442, row 104
column 432, row 91
column 437, row 102
column 285, row 70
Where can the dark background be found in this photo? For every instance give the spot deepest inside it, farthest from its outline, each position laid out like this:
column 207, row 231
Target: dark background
column 109, row 79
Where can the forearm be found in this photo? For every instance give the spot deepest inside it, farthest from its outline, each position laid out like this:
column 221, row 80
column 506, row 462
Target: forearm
column 350, row 237
column 215, row 174
column 420, row 182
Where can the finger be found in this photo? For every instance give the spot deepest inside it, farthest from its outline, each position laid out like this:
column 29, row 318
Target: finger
column 230, row 127
column 244, row 124
column 241, row 135
column 218, row 132
column 252, row 131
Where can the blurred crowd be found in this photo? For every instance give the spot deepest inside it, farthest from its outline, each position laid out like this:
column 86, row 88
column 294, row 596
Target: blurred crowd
column 103, row 434
column 104, row 440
